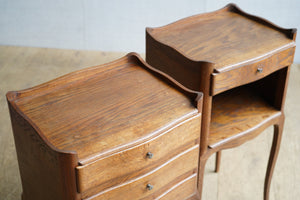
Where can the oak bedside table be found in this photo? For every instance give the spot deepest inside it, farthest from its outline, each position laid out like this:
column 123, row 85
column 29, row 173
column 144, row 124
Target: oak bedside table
column 241, row 63
column 121, row 130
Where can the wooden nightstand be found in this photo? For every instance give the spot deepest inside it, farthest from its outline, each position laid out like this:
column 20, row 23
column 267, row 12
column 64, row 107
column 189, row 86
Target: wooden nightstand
column 122, row 130
column 241, row 63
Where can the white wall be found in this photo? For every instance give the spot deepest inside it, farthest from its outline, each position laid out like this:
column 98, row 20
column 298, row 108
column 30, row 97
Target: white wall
column 115, row 25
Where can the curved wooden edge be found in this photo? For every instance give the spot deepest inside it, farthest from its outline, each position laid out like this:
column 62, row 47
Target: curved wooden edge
column 231, row 7
column 173, row 57
column 66, row 79
column 43, row 167
column 140, row 61
column 11, row 100
column 289, row 32
column 277, row 136
column 153, row 135
column 245, row 136
column 13, row 96
column 153, row 171
column 74, row 76
column 200, row 62
column 151, row 30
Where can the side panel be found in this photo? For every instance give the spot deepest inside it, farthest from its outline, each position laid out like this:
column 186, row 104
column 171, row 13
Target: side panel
column 45, row 173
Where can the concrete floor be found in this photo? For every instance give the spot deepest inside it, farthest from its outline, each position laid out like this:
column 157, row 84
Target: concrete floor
column 241, row 176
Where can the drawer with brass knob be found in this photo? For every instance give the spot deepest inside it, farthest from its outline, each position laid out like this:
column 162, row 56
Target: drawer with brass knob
column 153, row 184
column 133, row 162
column 231, row 77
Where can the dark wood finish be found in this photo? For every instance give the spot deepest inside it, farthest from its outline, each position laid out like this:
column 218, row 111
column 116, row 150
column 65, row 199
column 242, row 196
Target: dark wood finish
column 217, row 52
column 75, row 134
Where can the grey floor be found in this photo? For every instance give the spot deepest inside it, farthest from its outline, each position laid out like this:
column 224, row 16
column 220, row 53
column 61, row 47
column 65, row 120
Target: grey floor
column 242, row 170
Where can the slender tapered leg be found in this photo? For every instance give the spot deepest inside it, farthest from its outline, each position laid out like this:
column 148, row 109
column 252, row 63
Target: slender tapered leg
column 201, row 175
column 278, row 128
column 218, row 161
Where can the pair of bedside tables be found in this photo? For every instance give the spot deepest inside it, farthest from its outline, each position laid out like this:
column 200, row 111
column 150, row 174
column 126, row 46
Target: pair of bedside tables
column 135, row 130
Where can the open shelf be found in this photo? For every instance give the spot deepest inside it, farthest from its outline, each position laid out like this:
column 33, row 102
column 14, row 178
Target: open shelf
column 235, row 112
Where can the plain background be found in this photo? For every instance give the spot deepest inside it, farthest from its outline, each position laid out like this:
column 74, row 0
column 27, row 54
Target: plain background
column 116, row 25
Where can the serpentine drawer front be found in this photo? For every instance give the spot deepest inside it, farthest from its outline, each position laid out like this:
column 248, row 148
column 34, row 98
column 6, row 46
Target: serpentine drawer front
column 156, row 182
column 133, row 162
column 226, row 79
column 122, row 130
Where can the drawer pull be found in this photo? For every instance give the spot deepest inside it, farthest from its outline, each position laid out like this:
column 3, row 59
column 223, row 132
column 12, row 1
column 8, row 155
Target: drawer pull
column 260, row 70
column 149, row 187
column 149, row 155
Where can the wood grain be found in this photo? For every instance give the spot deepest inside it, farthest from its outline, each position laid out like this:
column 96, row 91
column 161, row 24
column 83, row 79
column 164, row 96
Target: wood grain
column 235, row 112
column 249, row 73
column 45, row 173
column 129, row 164
column 182, row 190
column 225, row 37
column 98, row 112
column 19, row 67
column 216, row 52
column 97, row 104
column 162, row 178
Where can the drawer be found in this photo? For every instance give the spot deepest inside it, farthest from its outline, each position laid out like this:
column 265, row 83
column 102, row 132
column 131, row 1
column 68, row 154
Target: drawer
column 184, row 189
column 131, row 163
column 225, row 80
column 161, row 179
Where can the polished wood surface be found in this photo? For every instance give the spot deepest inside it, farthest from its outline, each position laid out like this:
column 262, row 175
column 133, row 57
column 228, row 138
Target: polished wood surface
column 162, row 178
column 214, row 37
column 78, row 132
column 236, row 112
column 251, row 72
column 217, row 52
column 45, row 173
column 182, row 190
column 23, row 67
column 132, row 163
column 97, row 104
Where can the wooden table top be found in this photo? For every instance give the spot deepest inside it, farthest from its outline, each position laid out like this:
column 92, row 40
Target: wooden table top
column 98, row 109
column 228, row 37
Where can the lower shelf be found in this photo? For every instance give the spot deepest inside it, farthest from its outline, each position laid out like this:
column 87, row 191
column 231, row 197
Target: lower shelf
column 236, row 111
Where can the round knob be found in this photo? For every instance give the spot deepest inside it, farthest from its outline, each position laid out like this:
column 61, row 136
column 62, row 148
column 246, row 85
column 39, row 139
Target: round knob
column 149, row 155
column 260, row 70
column 149, row 187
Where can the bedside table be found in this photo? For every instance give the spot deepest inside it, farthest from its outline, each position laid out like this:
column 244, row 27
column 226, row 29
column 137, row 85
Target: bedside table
column 241, row 63
column 122, row 130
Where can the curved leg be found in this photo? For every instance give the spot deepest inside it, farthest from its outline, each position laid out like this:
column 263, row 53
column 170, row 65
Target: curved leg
column 273, row 157
column 218, row 161
column 201, row 175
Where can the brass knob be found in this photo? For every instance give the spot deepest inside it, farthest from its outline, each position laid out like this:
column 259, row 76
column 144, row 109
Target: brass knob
column 149, row 187
column 149, row 155
column 260, row 70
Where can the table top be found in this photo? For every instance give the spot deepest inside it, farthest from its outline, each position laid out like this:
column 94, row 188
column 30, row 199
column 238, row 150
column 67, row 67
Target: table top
column 100, row 109
column 227, row 38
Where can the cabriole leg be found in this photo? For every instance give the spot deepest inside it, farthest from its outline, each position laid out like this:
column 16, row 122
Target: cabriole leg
column 278, row 128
